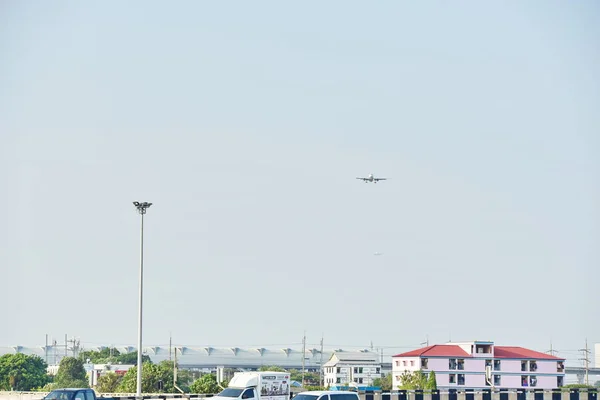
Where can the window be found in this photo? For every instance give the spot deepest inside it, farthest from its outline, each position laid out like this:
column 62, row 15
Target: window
column 524, row 380
column 360, row 380
column 356, row 370
column 452, row 363
column 461, row 379
column 397, row 363
column 488, row 363
column 338, row 380
column 532, row 381
column 324, row 397
column 397, row 377
column 338, row 370
column 248, row 394
column 560, row 366
column 483, row 349
column 461, row 364
column 377, row 370
column 452, row 378
column 360, row 370
column 355, row 380
column 497, row 380
column 424, row 363
column 533, row 366
column 89, row 395
column 497, row 365
column 412, row 363
column 79, row 395
column 523, row 365
column 559, row 381
column 404, row 363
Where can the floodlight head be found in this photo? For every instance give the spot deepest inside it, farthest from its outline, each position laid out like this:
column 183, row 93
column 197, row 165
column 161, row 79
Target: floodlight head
column 141, row 207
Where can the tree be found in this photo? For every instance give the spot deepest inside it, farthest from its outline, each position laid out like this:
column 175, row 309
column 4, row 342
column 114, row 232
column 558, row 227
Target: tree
column 384, row 383
column 310, row 378
column 103, row 356
column 131, row 358
column 206, row 384
column 416, row 380
column 22, row 372
column 578, row 386
column 273, row 368
column 431, row 382
column 70, row 374
column 108, row 383
column 156, row 378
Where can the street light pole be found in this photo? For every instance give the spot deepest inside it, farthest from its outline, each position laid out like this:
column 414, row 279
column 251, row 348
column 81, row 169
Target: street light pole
column 141, row 207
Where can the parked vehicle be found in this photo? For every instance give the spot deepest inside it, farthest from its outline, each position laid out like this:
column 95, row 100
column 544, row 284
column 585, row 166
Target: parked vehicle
column 263, row 385
column 72, row 394
column 327, row 395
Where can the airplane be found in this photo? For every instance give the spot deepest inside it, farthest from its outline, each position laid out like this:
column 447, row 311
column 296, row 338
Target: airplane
column 371, row 178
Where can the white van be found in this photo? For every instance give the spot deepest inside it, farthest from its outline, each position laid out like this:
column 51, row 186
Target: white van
column 327, row 395
column 263, row 385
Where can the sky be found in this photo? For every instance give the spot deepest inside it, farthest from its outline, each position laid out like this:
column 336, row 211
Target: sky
column 246, row 124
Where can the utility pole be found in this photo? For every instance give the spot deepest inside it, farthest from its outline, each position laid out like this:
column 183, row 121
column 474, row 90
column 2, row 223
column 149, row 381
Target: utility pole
column 65, row 344
column 303, row 355
column 586, row 359
column 46, row 349
column 321, row 364
column 551, row 351
column 141, row 207
column 75, row 346
column 170, row 344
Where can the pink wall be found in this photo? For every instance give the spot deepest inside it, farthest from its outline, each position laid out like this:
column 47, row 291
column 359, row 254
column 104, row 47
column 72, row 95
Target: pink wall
column 546, row 367
column 511, row 381
column 477, row 380
column 437, row 364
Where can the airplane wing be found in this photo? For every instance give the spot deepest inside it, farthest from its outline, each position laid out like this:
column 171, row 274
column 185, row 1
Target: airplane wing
column 380, row 179
column 364, row 179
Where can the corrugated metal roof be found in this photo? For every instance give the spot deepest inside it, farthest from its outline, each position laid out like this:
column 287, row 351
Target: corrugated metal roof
column 437, row 350
column 520, row 352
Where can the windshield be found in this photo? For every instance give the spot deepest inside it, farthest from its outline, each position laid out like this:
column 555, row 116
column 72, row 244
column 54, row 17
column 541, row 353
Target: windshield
column 305, row 397
column 229, row 392
column 59, row 395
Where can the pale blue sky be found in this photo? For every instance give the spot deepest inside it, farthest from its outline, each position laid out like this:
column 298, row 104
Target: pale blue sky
column 245, row 123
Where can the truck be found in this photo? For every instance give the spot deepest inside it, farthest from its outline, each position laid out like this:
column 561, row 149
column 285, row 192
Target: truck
column 262, row 385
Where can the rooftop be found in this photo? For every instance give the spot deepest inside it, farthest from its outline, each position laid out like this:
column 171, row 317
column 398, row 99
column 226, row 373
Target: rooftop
column 452, row 350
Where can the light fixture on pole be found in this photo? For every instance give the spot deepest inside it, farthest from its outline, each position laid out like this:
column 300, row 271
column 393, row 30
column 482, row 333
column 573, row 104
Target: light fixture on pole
column 141, row 207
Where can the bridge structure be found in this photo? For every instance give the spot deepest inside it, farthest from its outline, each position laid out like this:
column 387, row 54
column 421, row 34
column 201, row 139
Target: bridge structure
column 580, row 373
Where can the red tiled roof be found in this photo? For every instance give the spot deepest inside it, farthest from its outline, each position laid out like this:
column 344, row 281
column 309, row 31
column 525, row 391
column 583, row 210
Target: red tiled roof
column 520, row 352
column 437, row 350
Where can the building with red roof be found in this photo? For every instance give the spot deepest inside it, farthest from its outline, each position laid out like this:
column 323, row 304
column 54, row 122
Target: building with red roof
column 480, row 365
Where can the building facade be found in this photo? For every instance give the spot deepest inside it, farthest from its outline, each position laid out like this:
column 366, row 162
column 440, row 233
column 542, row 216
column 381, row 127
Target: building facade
column 464, row 366
column 352, row 367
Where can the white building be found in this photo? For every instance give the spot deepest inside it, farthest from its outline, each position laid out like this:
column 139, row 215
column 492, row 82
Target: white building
column 346, row 367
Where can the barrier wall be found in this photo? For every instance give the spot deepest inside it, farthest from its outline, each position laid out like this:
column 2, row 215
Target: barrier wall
column 573, row 394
